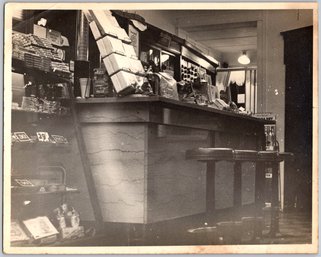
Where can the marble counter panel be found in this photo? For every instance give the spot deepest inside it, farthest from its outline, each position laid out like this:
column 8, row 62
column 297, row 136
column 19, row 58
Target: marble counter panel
column 116, row 155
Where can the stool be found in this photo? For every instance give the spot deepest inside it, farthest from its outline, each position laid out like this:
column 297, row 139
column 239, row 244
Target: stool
column 241, row 156
column 272, row 159
column 210, row 156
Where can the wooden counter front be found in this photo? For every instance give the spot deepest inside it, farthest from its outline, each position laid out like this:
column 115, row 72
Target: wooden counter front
column 136, row 150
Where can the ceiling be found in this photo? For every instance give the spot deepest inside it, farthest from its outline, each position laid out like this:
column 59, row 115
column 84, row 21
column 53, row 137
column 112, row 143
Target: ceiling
column 224, row 31
column 225, row 38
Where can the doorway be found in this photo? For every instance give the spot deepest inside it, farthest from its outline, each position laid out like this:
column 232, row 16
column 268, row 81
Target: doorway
column 298, row 118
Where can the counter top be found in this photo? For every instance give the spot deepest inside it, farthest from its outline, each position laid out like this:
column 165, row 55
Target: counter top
column 167, row 102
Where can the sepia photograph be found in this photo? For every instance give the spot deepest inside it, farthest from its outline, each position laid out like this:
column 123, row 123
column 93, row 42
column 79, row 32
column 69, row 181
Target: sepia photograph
column 170, row 128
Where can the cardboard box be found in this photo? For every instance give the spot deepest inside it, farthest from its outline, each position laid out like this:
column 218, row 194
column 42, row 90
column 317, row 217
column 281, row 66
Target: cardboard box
column 108, row 25
column 95, row 30
column 116, row 62
column 122, row 80
column 108, row 45
column 136, row 66
column 130, row 51
column 40, row 227
column 105, row 18
column 39, row 31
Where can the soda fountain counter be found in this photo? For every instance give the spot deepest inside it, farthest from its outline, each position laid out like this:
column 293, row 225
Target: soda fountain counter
column 136, row 153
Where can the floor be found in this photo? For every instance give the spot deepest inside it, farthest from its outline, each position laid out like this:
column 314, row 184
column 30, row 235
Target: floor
column 295, row 228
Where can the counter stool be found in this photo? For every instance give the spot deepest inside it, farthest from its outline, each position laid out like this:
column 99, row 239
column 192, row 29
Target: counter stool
column 213, row 155
column 272, row 159
column 241, row 156
column 210, row 156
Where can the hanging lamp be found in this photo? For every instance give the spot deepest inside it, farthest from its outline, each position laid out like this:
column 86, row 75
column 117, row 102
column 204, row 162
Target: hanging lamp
column 244, row 59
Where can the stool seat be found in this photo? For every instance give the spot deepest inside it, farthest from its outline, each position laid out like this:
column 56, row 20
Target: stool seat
column 245, row 155
column 267, row 156
column 285, row 156
column 210, row 154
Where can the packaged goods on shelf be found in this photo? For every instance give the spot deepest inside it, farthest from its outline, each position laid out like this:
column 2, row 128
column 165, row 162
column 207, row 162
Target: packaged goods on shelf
column 67, row 220
column 167, row 86
column 22, row 136
column 29, row 103
column 101, row 83
column 31, row 39
column 109, row 45
column 41, row 137
column 54, row 37
column 34, row 104
column 17, row 234
column 39, row 53
column 72, row 232
column 40, row 227
column 50, row 106
column 60, row 66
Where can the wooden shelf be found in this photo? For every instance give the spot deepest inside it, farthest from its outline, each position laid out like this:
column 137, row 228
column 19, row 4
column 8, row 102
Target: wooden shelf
column 43, row 146
column 20, row 113
column 66, row 191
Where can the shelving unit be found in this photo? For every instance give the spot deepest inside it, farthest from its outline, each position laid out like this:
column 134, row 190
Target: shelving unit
column 47, row 188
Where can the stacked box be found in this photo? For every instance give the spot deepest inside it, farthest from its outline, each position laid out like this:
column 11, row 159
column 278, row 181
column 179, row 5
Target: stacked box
column 108, row 45
column 108, row 25
column 95, row 30
column 136, row 66
column 119, row 57
column 129, row 51
column 122, row 80
column 104, row 17
column 116, row 62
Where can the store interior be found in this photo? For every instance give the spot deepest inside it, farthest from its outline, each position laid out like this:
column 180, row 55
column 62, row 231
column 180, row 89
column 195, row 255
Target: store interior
column 107, row 105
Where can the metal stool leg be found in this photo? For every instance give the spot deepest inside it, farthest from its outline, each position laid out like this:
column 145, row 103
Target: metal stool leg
column 259, row 195
column 237, row 187
column 210, row 186
column 274, row 229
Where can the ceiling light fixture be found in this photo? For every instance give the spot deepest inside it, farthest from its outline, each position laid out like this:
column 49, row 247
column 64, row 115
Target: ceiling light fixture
column 244, row 59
